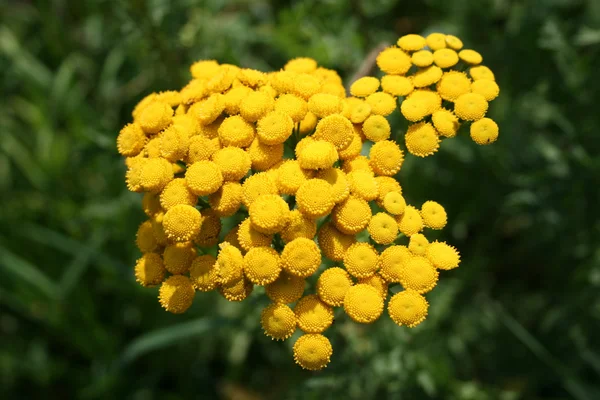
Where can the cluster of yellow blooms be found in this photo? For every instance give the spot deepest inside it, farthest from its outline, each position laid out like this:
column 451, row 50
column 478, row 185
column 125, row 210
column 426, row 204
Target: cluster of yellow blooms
column 308, row 171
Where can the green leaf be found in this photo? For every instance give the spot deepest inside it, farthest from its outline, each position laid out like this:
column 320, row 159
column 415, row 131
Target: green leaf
column 27, row 272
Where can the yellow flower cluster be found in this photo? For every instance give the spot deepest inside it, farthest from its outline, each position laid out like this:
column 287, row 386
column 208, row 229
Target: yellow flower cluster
column 251, row 179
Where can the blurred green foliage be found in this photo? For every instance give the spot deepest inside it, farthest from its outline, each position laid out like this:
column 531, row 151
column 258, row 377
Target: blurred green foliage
column 518, row 320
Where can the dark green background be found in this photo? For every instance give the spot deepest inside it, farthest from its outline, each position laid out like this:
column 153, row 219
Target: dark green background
column 519, row 319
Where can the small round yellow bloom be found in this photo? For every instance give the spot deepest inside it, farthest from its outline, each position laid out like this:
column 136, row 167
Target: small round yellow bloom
column 256, row 186
column 481, row 72
column 445, row 58
column 410, row 222
column 436, row 41
column 301, row 257
column 487, row 88
column 431, row 99
column 314, row 316
column 235, row 131
column 301, row 65
column 394, row 203
column 249, row 237
column 233, row 162
column 149, row 270
column 391, row 262
column 363, row 185
column 363, row 303
column 414, row 109
column 422, row 58
column 256, row 105
column 292, row 106
column 386, row 158
column 484, row 131
column 427, row 76
column 252, row 77
column 351, row 216
column 230, row 262
column 299, row 226
column 317, row 154
column 361, row 260
column 286, row 289
column 334, row 243
column 155, row 117
column 470, row 106
column 210, row 229
column 278, row 321
column 433, row 214
column 207, row 111
column 205, row 69
column 381, row 103
column 312, row 351
column 323, row 104
column 203, row 178
column 336, row 129
column 151, row 204
column 131, row 140
column 204, row 273
column 353, row 149
column 178, row 257
column 262, row 265
column 302, row 144
column 377, row 282
column 182, row 223
column 227, row 200
column 231, row 237
column 397, row 85
column 222, row 80
column 233, row 98
column 338, row 181
column 314, row 198
column 194, row 91
column 274, row 128
column 383, row 228
column 418, row 244
column 386, row 184
column 393, row 61
column 155, row 174
column 137, row 110
column 158, row 228
column 308, row 123
column 144, row 238
column 202, row 148
column 408, row 308
column 452, row 85
column 470, row 56
column 269, row 214
column 332, row 286
column 422, row 139
column 290, row 177
column 453, row 42
column 419, row 274
column 412, row 42
column 442, row 255
column 176, row 294
column 237, row 290
column 176, row 192
column 264, row 156
column 357, row 111
column 364, row 86
column 445, row 122
column 306, row 85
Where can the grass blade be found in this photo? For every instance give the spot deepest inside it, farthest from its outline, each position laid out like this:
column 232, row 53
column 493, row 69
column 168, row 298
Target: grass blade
column 27, row 272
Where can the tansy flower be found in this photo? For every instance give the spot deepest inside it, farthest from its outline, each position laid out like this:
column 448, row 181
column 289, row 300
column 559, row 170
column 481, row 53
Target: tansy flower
column 363, row 303
column 359, row 163
column 364, row 86
column 144, row 239
column 332, row 286
column 353, row 149
column 470, row 56
column 204, row 69
column 436, row 41
column 445, row 122
column 233, row 162
column 290, row 176
column 391, row 262
column 231, row 237
column 298, row 226
column 182, row 223
column 336, row 129
column 323, row 104
column 149, row 270
column 233, row 98
column 397, row 85
column 408, row 308
column 452, row 85
column 427, row 76
column 194, row 91
column 361, row 260
column 410, row 222
column 363, row 185
column 133, row 176
column 414, row 109
column 411, row 42
column 151, row 204
column 143, row 103
column 230, row 263
column 211, row 130
column 301, row 257
column 383, row 228
column 419, row 274
column 481, row 72
column 235, row 131
column 358, row 112
column 283, row 81
column 302, row 144
column 301, row 65
column 155, row 117
column 318, row 154
column 252, row 77
column 176, row 294
column 377, row 282
column 178, row 257
column 334, row 243
column 208, row 110
column 314, row 316
column 386, row 158
column 431, row 100
column 202, row 148
column 422, row 139
column 418, row 244
column 484, row 131
column 256, row 105
column 386, row 184
column 210, row 229
column 443, row 256
column 176, row 192
column 227, row 200
column 237, row 290
column 394, row 203
column 274, row 128
column 264, row 156
column 249, row 237
column 204, row 273
column 422, row 58
column 158, row 229
column 381, row 103
column 445, row 58
column 222, row 80
column 352, row 215
column 269, row 214
column 186, row 123
column 262, row 265
column 453, row 42
column 393, row 61
column 203, row 178
column 314, row 198
column 131, row 140
column 292, row 106
column 340, row 189
column 470, row 106
column 312, row 351
column 278, row 321
column 433, row 214
column 256, row 186
column 486, row 87
column 306, row 85
column 154, row 174
column 286, row 289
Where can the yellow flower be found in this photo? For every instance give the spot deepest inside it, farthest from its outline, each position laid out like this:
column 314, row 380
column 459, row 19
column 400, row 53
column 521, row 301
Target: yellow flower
column 412, row 42
column 204, row 69
column 204, row 273
column 363, row 184
column 210, row 229
column 176, row 294
column 386, row 184
column 144, row 239
column 452, row 85
column 418, row 244
column 250, row 237
column 383, row 228
column 422, row 58
column 298, row 226
column 301, row 257
column 317, row 154
column 314, row 316
column 155, row 117
column 431, row 100
column 158, row 229
column 361, row 260
column 386, row 158
column 381, row 103
column 256, row 105
column 262, row 265
column 283, row 81
column 410, row 222
column 202, row 148
column 301, row 65
column 445, row 58
column 364, row 86
column 436, row 41
column 233, row 162
column 453, row 42
column 286, row 289
column 203, row 178
column 323, row 104
column 252, row 77
column 257, row 185
column 178, row 257
column 351, row 216
column 314, row 198
column 427, row 76
column 336, row 129
column 182, row 223
column 338, row 181
column 414, row 109
column 231, row 238
column 230, row 263
column 207, row 111
column 484, row 131
column 194, row 91
column 274, row 128
column 278, row 321
column 237, row 290
column 433, row 214
column 470, row 106
column 408, row 308
column 149, row 270
column 393, row 61
column 422, row 139
column 264, row 156
column 211, row 130
column 155, row 174
column 308, row 123
column 306, row 85
column 363, row 303
column 269, row 214
column 334, row 243
column 481, row 72
column 234, row 131
column 137, row 110
column 357, row 111
column 233, row 98
column 394, row 203
column 176, row 192
column 470, row 56
column 377, row 282
column 312, row 351
column 391, row 262
column 131, row 140
column 291, row 176
column 227, row 200
column 151, row 204
column 222, row 80
column 292, row 106
column 353, row 149
column 419, row 274
column 186, row 123
column 397, row 85
column 443, row 256
column 487, row 88
column 445, row 122
column 332, row 286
